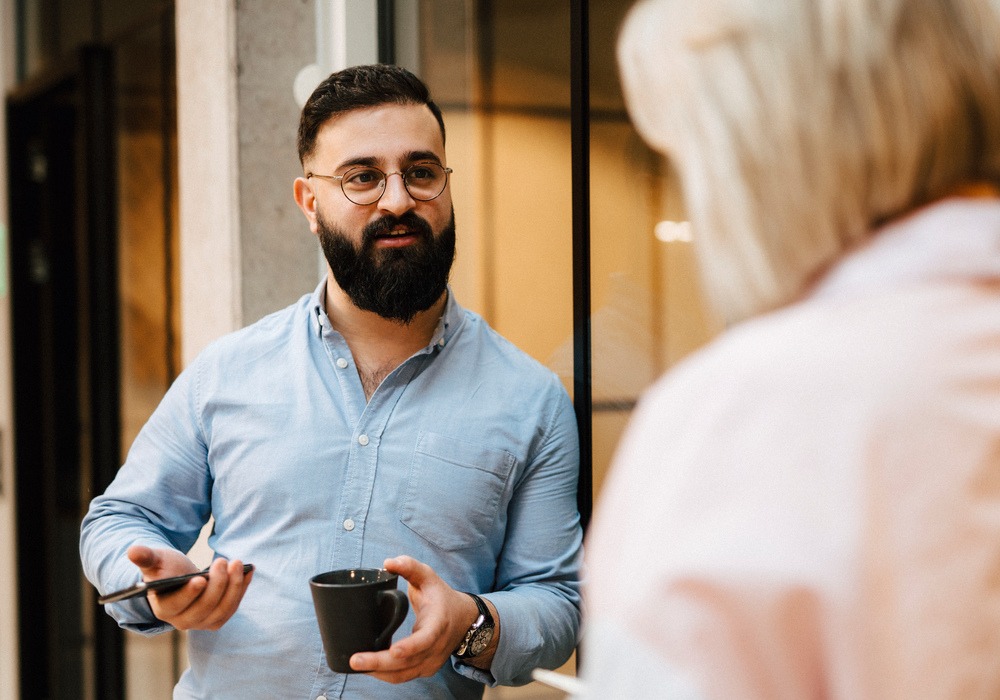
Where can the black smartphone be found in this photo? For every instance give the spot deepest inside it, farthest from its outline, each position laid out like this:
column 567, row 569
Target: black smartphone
column 160, row 584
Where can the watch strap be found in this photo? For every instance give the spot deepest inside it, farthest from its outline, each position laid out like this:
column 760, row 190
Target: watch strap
column 483, row 622
column 483, row 609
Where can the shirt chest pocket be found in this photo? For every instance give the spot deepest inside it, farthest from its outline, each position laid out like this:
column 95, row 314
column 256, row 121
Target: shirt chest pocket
column 455, row 490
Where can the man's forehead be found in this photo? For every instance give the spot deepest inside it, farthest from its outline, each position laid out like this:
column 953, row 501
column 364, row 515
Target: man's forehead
column 389, row 131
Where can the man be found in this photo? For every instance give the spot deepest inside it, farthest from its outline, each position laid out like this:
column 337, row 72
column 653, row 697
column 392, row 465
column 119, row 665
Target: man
column 373, row 423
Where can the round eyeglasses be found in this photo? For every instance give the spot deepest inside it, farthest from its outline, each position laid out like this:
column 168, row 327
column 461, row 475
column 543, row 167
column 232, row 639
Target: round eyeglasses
column 365, row 184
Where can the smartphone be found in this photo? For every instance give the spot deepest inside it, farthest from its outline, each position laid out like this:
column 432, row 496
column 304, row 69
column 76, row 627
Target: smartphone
column 160, row 584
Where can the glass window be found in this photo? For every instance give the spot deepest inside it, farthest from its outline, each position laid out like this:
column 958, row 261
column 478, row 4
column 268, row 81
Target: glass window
column 501, row 72
column 147, row 280
column 647, row 311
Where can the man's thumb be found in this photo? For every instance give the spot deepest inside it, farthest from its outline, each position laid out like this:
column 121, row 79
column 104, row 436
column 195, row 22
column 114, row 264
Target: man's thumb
column 142, row 556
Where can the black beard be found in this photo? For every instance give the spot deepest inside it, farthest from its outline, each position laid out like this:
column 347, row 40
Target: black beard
column 395, row 283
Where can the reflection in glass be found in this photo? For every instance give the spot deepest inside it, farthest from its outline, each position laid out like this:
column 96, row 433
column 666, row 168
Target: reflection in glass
column 501, row 73
column 648, row 312
column 147, row 278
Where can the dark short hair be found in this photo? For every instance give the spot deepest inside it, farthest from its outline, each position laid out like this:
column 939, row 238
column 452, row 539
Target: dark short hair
column 359, row 87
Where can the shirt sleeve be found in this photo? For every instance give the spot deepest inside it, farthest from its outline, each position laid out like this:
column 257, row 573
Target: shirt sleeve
column 537, row 594
column 159, row 498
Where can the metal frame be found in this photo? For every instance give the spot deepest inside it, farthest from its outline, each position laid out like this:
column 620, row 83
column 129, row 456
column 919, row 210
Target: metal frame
column 582, row 345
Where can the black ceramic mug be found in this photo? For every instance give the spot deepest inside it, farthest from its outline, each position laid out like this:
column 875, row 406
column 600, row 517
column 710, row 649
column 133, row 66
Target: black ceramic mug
column 357, row 610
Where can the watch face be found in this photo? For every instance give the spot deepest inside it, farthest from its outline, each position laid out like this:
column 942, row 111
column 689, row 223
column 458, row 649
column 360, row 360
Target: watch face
column 480, row 640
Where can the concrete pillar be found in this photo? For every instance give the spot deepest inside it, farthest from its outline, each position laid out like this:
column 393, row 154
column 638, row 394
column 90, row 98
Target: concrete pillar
column 245, row 250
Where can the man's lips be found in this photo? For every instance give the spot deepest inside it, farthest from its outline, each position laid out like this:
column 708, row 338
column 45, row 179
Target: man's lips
column 392, row 232
column 398, row 236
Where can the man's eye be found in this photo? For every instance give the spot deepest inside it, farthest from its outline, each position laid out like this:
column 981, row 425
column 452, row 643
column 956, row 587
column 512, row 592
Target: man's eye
column 420, row 172
column 362, row 178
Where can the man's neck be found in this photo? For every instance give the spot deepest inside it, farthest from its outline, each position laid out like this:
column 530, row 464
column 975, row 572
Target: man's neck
column 378, row 344
column 355, row 323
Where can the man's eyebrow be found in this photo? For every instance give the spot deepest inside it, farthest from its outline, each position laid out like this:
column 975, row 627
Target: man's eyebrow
column 416, row 156
column 373, row 162
column 360, row 160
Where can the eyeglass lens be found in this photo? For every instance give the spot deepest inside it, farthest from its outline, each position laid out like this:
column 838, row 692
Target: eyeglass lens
column 364, row 184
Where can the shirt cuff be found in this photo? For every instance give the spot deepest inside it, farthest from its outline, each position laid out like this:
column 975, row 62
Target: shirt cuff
column 476, row 674
column 529, row 638
column 136, row 615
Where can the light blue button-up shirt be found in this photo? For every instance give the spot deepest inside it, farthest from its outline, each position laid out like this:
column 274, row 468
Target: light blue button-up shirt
column 466, row 458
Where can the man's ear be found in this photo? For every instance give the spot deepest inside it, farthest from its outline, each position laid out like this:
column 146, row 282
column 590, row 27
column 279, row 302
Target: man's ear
column 306, row 199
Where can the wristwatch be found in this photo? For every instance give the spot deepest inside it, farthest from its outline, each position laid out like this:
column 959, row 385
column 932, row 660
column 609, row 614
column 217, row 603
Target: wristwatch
column 479, row 635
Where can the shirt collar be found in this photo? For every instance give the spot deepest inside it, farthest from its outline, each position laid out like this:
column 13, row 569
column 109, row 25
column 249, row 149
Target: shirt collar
column 317, row 312
column 449, row 324
column 953, row 238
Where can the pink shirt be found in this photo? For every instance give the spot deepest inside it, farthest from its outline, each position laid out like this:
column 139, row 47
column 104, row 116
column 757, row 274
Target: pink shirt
column 810, row 506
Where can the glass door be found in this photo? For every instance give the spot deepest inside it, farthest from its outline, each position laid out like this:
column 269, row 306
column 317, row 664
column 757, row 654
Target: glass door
column 148, row 281
column 93, row 248
column 647, row 311
column 500, row 72
column 572, row 236
column 538, row 124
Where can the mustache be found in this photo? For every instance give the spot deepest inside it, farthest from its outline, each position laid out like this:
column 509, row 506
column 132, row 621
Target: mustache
column 385, row 225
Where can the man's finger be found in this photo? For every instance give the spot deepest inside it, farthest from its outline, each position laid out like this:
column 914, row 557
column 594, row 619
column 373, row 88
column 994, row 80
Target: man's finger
column 171, row 604
column 142, row 556
column 191, row 610
column 218, row 582
column 415, row 572
column 384, row 662
column 393, row 670
column 231, row 597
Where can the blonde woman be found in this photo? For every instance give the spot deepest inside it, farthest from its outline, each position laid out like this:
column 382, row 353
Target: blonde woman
column 810, row 506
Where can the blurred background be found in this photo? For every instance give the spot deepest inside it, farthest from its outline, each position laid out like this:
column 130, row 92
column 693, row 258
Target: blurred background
column 146, row 208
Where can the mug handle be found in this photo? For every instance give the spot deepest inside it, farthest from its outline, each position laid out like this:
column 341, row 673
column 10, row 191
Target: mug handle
column 399, row 605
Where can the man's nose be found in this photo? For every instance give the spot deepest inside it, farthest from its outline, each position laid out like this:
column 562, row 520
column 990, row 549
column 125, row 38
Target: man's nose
column 396, row 198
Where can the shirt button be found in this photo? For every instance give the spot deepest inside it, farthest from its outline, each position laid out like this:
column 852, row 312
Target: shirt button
column 348, row 524
column 341, row 362
column 362, row 440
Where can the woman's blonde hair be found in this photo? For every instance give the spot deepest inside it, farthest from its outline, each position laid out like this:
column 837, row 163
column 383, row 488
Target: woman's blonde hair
column 797, row 126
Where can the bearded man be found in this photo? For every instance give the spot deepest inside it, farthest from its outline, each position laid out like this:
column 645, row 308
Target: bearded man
column 375, row 423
